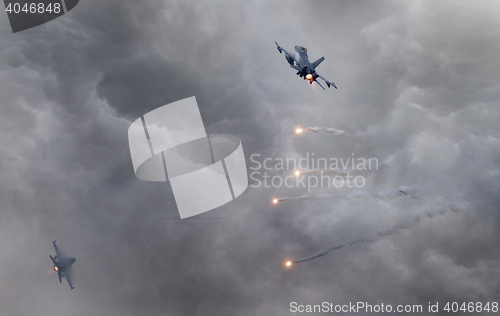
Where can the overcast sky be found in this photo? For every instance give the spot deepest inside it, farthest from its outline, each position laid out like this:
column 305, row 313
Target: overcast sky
column 420, row 80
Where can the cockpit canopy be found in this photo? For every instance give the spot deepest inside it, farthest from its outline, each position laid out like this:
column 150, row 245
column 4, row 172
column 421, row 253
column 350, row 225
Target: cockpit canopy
column 301, row 48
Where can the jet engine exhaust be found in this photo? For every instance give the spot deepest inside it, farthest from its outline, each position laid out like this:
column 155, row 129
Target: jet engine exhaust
column 310, row 78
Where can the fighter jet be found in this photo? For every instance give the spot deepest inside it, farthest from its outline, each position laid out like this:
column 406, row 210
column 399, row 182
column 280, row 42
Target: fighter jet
column 62, row 265
column 300, row 62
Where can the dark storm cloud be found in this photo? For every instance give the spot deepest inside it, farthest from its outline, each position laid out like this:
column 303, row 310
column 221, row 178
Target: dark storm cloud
column 155, row 82
column 419, row 90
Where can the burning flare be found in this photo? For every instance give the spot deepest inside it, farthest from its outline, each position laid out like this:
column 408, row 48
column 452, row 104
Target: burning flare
column 288, row 263
column 298, row 130
column 275, row 201
column 56, row 269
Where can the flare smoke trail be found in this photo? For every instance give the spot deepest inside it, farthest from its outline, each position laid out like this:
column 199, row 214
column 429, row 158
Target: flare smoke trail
column 384, row 163
column 340, row 172
column 384, row 232
column 331, row 130
column 383, row 196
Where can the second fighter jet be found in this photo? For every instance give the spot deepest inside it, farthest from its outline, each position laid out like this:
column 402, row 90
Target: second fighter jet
column 300, row 62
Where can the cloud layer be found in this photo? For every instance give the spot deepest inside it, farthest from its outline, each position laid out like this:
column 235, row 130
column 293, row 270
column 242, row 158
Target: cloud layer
column 419, row 80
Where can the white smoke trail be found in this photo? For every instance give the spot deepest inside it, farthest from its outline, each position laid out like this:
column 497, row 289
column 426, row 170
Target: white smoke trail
column 331, row 130
column 384, row 163
column 340, row 172
column 383, row 196
column 440, row 211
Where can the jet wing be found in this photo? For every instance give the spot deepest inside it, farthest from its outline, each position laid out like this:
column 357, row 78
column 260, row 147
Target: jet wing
column 328, row 83
column 281, row 49
column 59, row 253
column 69, row 275
column 289, row 54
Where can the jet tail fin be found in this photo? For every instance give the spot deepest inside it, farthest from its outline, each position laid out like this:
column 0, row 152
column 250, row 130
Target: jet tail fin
column 317, row 62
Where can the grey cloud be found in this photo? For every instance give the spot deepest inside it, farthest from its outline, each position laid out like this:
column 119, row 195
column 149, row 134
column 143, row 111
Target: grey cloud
column 418, row 79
